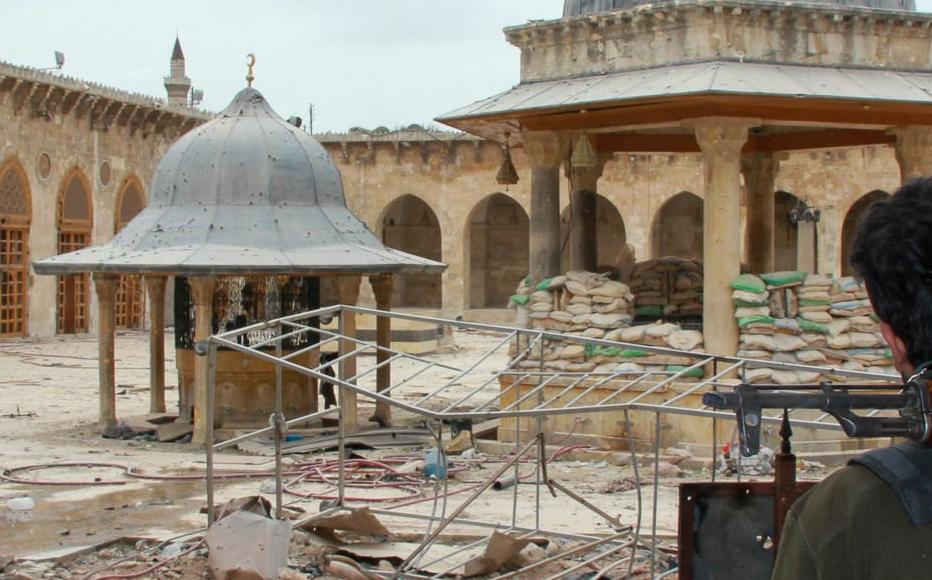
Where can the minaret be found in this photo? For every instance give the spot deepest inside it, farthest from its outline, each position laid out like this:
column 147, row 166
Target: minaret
column 177, row 85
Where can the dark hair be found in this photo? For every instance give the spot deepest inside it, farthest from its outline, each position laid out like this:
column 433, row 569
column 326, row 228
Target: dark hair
column 893, row 253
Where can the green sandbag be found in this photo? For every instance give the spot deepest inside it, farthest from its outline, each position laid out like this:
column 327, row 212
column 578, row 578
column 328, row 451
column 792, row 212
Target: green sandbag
column 633, row 353
column 599, row 350
column 697, row 373
column 807, row 302
column 544, row 284
column 649, row 311
column 749, row 283
column 746, row 304
column 784, row 278
column 756, row 319
column 810, row 326
column 520, row 299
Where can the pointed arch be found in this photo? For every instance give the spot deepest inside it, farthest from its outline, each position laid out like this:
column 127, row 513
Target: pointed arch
column 75, row 211
column 409, row 224
column 677, row 227
column 15, row 219
column 498, row 242
column 853, row 218
column 131, row 296
column 611, row 235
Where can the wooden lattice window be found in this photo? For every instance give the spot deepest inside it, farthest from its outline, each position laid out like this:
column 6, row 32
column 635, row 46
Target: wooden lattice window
column 14, row 250
column 74, row 233
column 131, row 297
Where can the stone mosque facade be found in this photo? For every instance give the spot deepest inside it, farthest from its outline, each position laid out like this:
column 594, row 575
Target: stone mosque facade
column 76, row 160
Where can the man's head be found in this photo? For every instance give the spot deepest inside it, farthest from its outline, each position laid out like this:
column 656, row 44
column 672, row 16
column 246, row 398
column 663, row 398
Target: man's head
column 893, row 253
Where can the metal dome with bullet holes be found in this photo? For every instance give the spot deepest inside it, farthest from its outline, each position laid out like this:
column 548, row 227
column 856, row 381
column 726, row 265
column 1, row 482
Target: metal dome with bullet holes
column 245, row 193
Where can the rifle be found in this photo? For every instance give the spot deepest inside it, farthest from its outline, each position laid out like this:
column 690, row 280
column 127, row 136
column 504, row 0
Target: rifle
column 840, row 401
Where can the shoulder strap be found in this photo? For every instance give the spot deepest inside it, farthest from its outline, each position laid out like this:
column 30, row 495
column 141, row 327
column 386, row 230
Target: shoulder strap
column 907, row 469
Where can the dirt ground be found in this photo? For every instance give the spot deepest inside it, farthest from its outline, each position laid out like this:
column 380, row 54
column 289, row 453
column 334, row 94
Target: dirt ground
column 48, row 412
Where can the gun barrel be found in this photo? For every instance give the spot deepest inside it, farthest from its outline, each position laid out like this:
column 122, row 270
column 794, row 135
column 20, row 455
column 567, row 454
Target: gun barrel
column 821, row 401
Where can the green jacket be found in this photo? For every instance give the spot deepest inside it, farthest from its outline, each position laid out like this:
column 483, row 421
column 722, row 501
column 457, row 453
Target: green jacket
column 850, row 527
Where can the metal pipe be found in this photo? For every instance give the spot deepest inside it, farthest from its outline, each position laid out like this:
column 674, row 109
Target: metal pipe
column 468, row 370
column 653, row 543
column 278, row 419
column 475, row 494
column 211, row 395
column 705, row 382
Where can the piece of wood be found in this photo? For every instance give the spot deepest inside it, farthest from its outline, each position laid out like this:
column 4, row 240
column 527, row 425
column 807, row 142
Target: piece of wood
column 173, row 431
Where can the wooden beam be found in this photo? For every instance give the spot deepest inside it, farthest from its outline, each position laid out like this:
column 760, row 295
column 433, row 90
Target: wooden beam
column 768, row 109
column 766, row 143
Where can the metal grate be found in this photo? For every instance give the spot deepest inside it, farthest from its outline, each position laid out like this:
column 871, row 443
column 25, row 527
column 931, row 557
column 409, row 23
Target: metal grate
column 131, row 302
column 14, row 264
column 73, row 288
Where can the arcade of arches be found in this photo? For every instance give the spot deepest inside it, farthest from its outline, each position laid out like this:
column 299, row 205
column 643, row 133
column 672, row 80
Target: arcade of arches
column 410, row 225
column 498, row 245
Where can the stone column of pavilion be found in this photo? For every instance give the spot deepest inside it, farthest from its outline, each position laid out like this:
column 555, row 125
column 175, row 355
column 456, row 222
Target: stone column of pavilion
column 584, row 176
column 760, row 173
column 348, row 289
column 382, row 288
column 202, row 294
column 913, row 151
column 546, row 155
column 721, row 141
column 106, row 285
column 156, row 290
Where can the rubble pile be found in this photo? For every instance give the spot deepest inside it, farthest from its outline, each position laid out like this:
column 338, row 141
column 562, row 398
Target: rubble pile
column 668, row 286
column 800, row 318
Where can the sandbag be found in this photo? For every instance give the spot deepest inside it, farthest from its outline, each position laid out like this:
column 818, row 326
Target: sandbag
column 542, row 296
column 684, row 339
column 788, row 343
column 561, row 316
column 749, row 283
column 783, row 278
column 577, row 309
column 520, row 299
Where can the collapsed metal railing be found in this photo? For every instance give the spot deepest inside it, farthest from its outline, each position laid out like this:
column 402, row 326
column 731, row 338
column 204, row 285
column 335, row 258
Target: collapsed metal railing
column 523, row 354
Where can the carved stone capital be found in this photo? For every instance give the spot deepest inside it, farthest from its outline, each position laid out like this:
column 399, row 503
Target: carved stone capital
column 543, row 148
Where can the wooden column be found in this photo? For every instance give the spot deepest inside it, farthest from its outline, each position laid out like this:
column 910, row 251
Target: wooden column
column 546, row 156
column 584, row 236
column 156, row 288
column 382, row 288
column 106, row 286
column 348, row 287
column 721, row 141
column 913, row 151
column 202, row 293
column 760, row 173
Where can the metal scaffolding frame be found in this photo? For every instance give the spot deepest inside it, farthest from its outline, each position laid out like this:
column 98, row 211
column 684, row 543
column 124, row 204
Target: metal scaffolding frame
column 526, row 352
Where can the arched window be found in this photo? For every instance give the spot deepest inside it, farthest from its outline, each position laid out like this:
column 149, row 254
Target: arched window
column 75, row 221
column 131, row 297
column 610, row 234
column 853, row 220
column 410, row 225
column 497, row 256
column 677, row 229
column 15, row 212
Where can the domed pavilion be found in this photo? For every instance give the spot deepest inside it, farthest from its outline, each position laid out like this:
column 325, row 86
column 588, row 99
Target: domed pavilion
column 246, row 213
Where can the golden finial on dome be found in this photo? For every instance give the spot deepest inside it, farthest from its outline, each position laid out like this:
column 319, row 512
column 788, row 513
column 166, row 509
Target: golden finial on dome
column 250, row 62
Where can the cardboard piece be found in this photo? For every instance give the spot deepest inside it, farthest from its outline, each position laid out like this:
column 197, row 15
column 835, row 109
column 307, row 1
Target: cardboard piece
column 246, row 545
column 500, row 550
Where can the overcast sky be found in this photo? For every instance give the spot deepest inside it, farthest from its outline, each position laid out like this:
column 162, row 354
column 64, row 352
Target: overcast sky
column 361, row 62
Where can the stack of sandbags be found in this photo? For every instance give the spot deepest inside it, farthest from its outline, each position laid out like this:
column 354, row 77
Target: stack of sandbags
column 667, row 287
column 623, row 358
column 800, row 318
column 855, row 341
column 578, row 302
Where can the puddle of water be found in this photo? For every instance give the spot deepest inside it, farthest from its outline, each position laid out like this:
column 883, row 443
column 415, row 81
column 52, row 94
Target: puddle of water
column 113, row 512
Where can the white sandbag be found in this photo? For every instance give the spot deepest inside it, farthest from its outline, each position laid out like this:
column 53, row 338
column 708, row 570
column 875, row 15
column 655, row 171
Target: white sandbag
column 788, row 343
column 542, row 296
column 838, row 326
column 580, row 367
column 758, row 341
column 580, row 299
column 612, row 289
column 745, row 312
column 577, row 309
column 814, row 339
column 684, row 339
column 864, row 324
column 561, row 316
column 820, row 316
column 762, row 298
column 758, row 375
column 633, row 334
column 608, row 320
column 840, row 342
column 614, row 334
column 593, row 333
column 755, row 354
column 582, row 319
column 573, row 351
column 810, row 357
column 576, row 288
column 540, row 307
column 782, row 377
column 539, row 315
column 865, row 340
column 661, row 330
column 629, row 367
column 808, row 377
